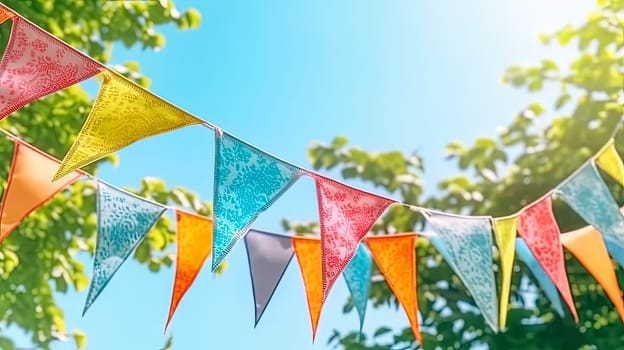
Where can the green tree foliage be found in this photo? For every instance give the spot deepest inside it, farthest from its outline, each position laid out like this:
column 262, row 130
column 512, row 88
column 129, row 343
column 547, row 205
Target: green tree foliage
column 39, row 258
column 543, row 144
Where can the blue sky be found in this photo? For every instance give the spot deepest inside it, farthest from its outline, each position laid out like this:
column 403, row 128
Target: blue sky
column 394, row 75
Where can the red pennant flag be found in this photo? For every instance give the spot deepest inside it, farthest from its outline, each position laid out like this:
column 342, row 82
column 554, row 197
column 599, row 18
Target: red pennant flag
column 395, row 256
column 29, row 186
column 346, row 215
column 35, row 64
column 538, row 227
column 194, row 246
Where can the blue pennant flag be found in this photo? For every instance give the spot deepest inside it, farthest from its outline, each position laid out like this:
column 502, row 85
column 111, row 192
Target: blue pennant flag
column 588, row 195
column 123, row 221
column 468, row 249
column 247, row 182
column 358, row 277
column 523, row 252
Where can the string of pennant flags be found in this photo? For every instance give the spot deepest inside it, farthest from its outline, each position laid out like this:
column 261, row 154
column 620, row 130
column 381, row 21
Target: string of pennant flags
column 248, row 180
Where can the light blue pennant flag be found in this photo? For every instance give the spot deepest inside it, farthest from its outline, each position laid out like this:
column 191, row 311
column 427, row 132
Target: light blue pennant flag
column 438, row 244
column 358, row 277
column 247, row 181
column 615, row 250
column 123, row 221
column 588, row 195
column 468, row 241
column 523, row 252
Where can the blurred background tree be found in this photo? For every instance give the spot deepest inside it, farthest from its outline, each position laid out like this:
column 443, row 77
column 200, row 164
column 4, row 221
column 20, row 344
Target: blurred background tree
column 544, row 143
column 55, row 234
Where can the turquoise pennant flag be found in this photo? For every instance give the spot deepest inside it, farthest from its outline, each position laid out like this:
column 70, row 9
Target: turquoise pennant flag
column 615, row 250
column 358, row 277
column 468, row 241
column 588, row 195
column 247, row 182
column 123, row 221
column 438, row 244
column 547, row 285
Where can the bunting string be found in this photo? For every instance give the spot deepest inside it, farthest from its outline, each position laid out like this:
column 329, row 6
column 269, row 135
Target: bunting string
column 248, row 180
column 10, row 14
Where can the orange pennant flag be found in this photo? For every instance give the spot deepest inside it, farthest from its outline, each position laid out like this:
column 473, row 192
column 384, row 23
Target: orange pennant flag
column 29, row 185
column 5, row 13
column 194, row 246
column 587, row 246
column 395, row 257
column 308, row 251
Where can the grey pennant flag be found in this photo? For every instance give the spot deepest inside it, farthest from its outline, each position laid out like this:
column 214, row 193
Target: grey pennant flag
column 269, row 255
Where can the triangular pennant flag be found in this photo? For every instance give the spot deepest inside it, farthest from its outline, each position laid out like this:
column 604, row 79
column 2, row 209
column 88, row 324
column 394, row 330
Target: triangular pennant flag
column 5, row 13
column 469, row 242
column 29, row 186
column 587, row 246
column 247, row 182
column 358, row 277
column 346, row 215
column 123, row 221
column 36, row 64
column 540, row 231
column 505, row 234
column 194, row 235
column 615, row 250
column 549, row 288
column 123, row 113
column 269, row 255
column 609, row 160
column 439, row 245
column 588, row 195
column 395, row 257
column 308, row 251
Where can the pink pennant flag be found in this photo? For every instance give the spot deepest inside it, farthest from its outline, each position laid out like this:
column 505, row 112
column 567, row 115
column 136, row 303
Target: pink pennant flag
column 35, row 64
column 538, row 227
column 346, row 214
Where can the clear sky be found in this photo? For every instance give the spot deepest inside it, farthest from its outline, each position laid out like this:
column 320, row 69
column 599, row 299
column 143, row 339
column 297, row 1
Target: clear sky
column 406, row 75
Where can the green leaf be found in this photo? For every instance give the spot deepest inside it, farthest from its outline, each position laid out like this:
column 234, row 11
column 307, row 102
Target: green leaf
column 194, row 18
column 81, row 282
column 80, row 339
column 381, row 331
column 485, row 143
column 349, row 173
column 549, row 65
column 6, row 344
column 339, row 142
column 566, row 34
column 561, row 101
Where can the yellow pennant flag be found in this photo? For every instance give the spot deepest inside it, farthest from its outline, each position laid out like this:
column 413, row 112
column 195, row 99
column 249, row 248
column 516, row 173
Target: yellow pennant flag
column 609, row 160
column 395, row 256
column 123, row 113
column 587, row 246
column 194, row 246
column 29, row 186
column 505, row 234
column 308, row 251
